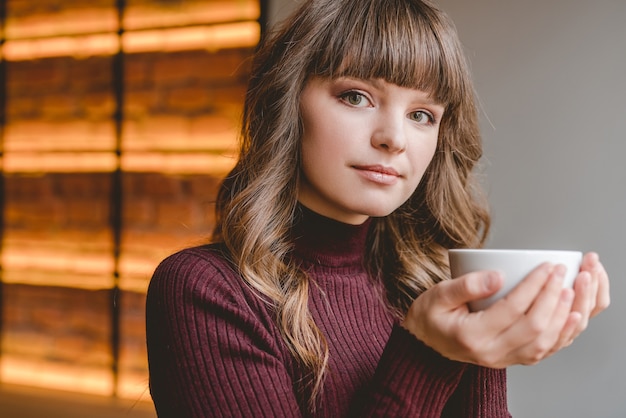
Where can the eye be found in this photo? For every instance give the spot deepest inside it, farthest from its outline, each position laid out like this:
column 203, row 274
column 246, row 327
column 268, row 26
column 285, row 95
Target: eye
column 422, row 117
column 354, row 98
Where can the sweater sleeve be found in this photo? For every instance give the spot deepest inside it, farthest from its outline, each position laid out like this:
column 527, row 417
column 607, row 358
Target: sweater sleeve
column 481, row 394
column 410, row 380
column 414, row 380
column 209, row 353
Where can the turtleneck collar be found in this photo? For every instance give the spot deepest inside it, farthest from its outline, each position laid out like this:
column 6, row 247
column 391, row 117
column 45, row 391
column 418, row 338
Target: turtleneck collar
column 325, row 241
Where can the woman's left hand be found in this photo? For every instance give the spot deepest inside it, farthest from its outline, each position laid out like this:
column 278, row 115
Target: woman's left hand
column 591, row 297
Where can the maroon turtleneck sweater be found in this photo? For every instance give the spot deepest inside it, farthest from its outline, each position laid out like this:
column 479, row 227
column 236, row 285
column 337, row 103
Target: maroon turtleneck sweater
column 214, row 349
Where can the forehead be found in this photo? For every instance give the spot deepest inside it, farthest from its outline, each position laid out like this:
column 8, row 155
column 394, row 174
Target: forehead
column 419, row 64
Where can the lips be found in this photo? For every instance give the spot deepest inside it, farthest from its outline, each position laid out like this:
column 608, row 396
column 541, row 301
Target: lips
column 378, row 174
column 378, row 169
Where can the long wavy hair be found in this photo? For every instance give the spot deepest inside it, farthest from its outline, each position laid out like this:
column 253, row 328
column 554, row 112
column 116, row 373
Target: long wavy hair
column 410, row 43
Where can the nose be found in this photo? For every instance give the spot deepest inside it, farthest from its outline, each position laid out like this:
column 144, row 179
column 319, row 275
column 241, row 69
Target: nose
column 390, row 134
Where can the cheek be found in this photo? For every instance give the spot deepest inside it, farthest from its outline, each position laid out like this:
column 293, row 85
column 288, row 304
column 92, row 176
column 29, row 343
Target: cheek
column 325, row 139
column 315, row 154
column 310, row 155
column 422, row 155
column 421, row 158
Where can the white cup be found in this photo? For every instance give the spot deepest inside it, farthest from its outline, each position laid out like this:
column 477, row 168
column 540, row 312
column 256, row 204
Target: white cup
column 513, row 264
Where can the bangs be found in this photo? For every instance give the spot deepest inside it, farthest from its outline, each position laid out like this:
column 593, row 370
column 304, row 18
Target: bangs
column 402, row 42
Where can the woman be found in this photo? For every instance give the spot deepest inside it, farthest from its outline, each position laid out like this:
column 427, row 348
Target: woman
column 325, row 292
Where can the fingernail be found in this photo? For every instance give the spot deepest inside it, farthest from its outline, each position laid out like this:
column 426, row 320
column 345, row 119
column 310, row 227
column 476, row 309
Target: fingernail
column 567, row 295
column 548, row 268
column 559, row 271
column 592, row 259
column 492, row 281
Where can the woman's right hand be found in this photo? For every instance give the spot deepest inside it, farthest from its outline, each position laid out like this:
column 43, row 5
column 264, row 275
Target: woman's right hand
column 529, row 324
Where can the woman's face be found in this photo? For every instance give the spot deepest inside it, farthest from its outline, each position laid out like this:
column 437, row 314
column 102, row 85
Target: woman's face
column 365, row 147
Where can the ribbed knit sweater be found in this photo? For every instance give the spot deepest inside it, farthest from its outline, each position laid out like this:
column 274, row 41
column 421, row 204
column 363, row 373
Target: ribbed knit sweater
column 214, row 348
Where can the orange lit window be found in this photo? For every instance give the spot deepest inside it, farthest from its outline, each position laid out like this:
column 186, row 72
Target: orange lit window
column 118, row 126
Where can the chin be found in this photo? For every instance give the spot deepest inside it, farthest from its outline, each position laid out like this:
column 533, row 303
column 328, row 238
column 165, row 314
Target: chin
column 379, row 212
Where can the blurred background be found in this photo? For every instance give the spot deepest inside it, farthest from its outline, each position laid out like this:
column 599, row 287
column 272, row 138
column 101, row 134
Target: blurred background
column 117, row 121
column 550, row 76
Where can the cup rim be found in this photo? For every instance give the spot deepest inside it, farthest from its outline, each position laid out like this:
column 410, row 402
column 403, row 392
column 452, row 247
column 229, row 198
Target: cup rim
column 509, row 250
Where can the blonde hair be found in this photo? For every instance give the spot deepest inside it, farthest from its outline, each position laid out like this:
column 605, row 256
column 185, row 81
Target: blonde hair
column 410, row 43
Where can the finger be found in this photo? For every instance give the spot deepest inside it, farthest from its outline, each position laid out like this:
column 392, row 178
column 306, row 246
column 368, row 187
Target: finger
column 589, row 261
column 603, row 299
column 569, row 332
column 544, row 305
column 593, row 290
column 469, row 287
column 547, row 336
column 600, row 293
column 517, row 302
column 545, row 308
column 584, row 294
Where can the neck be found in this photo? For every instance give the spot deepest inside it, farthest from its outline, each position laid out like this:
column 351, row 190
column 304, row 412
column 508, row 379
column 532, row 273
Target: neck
column 329, row 242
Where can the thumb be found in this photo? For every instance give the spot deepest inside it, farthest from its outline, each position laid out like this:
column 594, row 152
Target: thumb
column 469, row 287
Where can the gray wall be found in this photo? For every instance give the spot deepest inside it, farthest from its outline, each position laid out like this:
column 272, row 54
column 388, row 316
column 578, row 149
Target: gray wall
column 551, row 78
